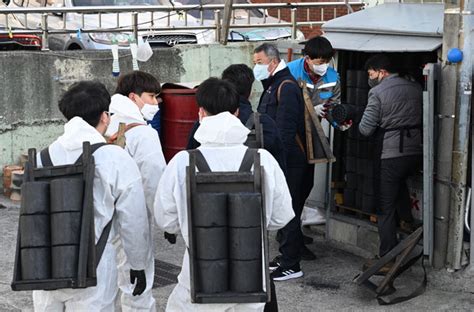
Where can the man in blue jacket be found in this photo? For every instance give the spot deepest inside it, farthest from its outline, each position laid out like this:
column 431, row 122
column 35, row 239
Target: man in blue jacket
column 313, row 68
column 282, row 100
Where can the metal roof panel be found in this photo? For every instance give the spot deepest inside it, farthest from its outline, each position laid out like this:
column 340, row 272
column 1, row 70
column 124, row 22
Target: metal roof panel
column 382, row 42
column 392, row 18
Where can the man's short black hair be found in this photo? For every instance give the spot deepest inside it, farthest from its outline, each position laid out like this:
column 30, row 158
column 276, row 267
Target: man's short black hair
column 85, row 99
column 137, row 82
column 379, row 62
column 217, row 95
column 241, row 76
column 318, row 47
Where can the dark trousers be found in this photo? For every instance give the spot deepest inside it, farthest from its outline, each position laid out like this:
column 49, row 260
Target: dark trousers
column 300, row 183
column 394, row 199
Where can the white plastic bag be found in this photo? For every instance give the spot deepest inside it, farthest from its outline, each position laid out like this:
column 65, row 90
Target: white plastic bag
column 312, row 216
column 144, row 51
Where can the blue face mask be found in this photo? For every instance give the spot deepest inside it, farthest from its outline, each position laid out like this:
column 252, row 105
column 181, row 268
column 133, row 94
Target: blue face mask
column 260, row 71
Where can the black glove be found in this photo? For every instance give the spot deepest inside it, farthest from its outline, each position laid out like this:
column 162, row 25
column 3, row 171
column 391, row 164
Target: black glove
column 171, row 238
column 140, row 277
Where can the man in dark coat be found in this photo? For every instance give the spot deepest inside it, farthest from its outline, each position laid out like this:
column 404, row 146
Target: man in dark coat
column 241, row 77
column 393, row 118
column 282, row 100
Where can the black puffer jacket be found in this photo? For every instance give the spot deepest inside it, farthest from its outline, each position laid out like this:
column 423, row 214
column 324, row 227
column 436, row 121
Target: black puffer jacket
column 288, row 114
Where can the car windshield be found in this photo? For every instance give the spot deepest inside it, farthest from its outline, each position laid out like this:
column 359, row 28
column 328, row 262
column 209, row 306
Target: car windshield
column 208, row 14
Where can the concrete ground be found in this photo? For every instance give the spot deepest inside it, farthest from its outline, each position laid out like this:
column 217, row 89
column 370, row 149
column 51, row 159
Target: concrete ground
column 326, row 286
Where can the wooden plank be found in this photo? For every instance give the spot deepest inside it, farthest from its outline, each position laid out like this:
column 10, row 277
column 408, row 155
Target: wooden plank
column 190, row 188
column 226, row 21
column 390, row 275
column 309, row 135
column 319, row 129
column 232, row 297
column 224, row 177
column 87, row 214
column 412, row 239
column 259, row 183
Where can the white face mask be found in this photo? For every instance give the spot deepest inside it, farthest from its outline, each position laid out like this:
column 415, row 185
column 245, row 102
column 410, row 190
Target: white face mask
column 321, row 69
column 149, row 111
column 260, row 71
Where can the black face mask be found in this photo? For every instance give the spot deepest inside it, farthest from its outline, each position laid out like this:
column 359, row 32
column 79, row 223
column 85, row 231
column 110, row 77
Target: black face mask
column 373, row 82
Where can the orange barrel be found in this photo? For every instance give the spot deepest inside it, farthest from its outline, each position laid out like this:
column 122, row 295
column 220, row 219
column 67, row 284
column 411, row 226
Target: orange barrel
column 179, row 112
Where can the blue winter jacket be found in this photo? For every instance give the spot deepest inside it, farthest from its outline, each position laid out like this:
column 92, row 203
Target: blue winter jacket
column 296, row 68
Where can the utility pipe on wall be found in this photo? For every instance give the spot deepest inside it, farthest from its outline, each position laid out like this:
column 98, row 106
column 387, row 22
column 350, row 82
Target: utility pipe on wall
column 460, row 147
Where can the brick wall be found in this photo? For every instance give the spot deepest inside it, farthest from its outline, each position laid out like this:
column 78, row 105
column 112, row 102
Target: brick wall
column 328, row 12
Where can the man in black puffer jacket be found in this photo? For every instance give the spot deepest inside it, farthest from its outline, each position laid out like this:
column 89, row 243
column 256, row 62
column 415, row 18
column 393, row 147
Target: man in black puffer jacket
column 282, row 100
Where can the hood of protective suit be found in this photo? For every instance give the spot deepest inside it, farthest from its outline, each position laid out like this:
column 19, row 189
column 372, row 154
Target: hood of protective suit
column 221, row 130
column 77, row 131
column 124, row 110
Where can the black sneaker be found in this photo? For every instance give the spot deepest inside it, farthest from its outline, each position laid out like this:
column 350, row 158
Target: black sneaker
column 275, row 263
column 281, row 274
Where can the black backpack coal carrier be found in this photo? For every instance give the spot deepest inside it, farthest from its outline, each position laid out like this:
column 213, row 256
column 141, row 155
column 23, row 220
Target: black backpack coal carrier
column 228, row 244
column 56, row 236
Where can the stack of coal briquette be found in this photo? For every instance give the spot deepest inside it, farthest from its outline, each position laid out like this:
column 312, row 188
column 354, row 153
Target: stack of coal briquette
column 359, row 192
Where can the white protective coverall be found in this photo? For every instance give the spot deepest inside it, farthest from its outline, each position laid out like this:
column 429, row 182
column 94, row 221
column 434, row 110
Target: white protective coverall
column 143, row 144
column 117, row 184
column 221, row 137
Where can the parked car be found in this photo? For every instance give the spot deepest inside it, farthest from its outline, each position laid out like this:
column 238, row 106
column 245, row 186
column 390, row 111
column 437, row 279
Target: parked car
column 164, row 38
column 14, row 41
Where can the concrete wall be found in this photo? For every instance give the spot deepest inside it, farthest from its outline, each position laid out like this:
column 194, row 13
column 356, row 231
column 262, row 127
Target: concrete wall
column 32, row 83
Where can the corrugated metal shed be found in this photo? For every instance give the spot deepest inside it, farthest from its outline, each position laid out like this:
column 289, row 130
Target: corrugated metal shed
column 390, row 27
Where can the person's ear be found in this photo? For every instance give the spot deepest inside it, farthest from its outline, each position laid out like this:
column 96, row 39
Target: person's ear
column 202, row 113
column 104, row 118
column 132, row 97
column 104, row 123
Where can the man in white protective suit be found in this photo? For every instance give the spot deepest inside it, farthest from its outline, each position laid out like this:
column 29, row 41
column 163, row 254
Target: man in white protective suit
column 134, row 102
column 221, row 135
column 117, row 187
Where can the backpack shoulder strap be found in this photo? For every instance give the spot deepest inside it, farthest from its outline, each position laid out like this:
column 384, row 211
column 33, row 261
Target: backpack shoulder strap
column 117, row 137
column 104, row 237
column 281, row 86
column 248, row 160
column 46, row 158
column 94, row 147
column 250, row 122
column 201, row 162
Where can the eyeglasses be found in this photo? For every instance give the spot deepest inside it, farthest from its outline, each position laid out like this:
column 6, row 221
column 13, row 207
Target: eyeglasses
column 110, row 114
